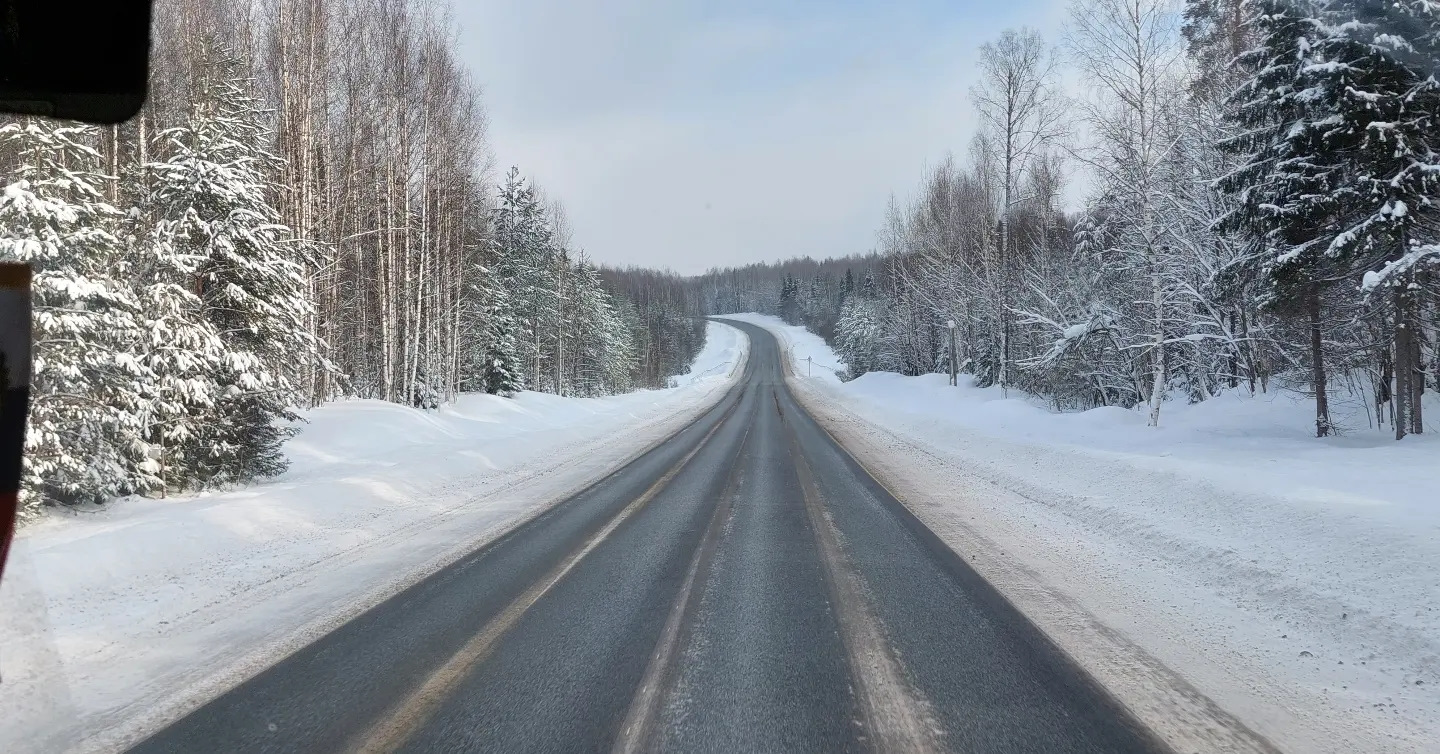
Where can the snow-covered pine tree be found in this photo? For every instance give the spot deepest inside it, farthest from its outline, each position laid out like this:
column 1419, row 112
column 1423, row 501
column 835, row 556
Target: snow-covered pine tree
column 790, row 300
column 524, row 259
column 501, row 374
column 1407, row 29
column 630, row 328
column 248, row 271
column 180, row 348
column 489, row 362
column 86, row 408
column 500, row 370
column 560, row 340
column 618, row 348
column 1284, row 190
column 1381, row 118
column 1410, row 29
column 584, row 321
column 607, row 344
column 857, row 335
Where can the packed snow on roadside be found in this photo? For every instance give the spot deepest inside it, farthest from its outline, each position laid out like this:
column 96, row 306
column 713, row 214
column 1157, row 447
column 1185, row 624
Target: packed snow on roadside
column 805, row 350
column 721, row 355
column 112, row 621
column 1293, row 580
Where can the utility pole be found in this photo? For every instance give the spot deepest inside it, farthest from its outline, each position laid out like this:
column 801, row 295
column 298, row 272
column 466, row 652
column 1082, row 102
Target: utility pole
column 954, row 356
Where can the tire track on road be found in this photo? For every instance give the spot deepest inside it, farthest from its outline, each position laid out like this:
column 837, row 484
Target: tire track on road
column 635, row 731
column 395, row 728
column 897, row 717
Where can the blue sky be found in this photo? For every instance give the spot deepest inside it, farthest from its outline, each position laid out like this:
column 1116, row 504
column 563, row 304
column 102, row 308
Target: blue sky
column 690, row 134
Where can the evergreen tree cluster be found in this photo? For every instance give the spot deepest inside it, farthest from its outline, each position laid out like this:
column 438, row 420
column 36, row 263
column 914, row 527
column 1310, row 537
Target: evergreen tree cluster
column 664, row 319
column 800, row 291
column 302, row 212
column 556, row 328
column 163, row 333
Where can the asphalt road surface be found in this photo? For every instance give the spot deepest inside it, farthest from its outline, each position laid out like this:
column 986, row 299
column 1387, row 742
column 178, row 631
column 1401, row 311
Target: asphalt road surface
column 745, row 586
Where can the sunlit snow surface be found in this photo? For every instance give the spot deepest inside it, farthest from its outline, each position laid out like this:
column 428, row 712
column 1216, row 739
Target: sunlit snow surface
column 111, row 619
column 1296, row 581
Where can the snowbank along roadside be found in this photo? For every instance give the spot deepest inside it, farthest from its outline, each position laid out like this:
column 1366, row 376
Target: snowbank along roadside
column 1226, row 556
column 114, row 622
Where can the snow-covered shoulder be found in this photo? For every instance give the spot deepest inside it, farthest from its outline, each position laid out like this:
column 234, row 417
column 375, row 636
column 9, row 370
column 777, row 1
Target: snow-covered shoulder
column 724, row 351
column 111, row 620
column 806, row 353
column 1289, row 579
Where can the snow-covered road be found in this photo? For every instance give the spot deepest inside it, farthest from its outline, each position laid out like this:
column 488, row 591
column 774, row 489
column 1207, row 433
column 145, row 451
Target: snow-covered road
column 1225, row 562
column 114, row 619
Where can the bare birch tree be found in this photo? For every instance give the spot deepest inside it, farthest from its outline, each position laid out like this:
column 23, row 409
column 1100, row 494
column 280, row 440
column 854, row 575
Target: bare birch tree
column 1130, row 50
column 1020, row 112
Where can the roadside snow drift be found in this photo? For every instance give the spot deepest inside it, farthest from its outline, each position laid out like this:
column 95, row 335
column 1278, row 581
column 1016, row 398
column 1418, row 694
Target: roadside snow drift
column 115, row 621
column 1293, row 581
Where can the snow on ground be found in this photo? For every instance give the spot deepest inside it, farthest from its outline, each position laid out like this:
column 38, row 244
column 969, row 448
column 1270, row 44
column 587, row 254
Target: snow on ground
column 723, row 352
column 114, row 621
column 806, row 350
column 1293, row 581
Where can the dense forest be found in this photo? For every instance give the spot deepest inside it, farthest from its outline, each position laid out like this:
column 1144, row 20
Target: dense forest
column 1261, row 213
column 306, row 209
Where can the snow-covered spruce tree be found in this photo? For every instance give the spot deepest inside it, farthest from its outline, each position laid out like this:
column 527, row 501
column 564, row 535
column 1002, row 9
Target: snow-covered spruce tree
column 423, row 394
column 1381, row 117
column 617, row 344
column 790, row 300
column 599, row 362
column 560, row 340
column 180, row 347
column 631, row 328
column 857, row 334
column 524, row 260
column 490, row 364
column 1284, row 191
column 1411, row 30
column 86, row 408
column 500, row 368
column 248, row 273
